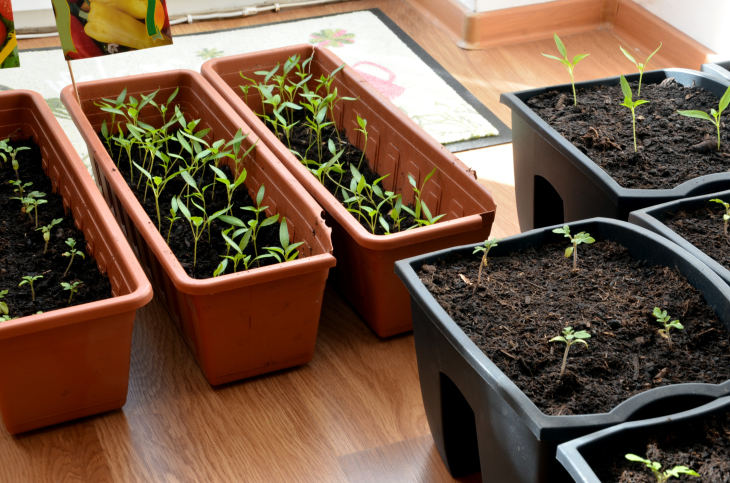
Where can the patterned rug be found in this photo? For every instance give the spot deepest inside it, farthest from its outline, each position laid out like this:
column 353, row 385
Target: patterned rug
column 367, row 40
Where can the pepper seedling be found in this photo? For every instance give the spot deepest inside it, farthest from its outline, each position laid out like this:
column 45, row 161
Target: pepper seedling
column 662, row 317
column 47, row 232
column 28, row 279
column 488, row 244
column 569, row 338
column 576, row 240
column 363, row 129
column 639, row 65
column 656, row 467
column 567, row 63
column 726, row 216
column 3, row 304
column 288, row 251
column 631, row 104
column 716, row 115
column 72, row 287
column 71, row 253
column 173, row 217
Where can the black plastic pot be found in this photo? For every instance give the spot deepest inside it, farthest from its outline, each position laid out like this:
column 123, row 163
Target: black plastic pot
column 478, row 416
column 556, row 183
column 652, row 219
column 719, row 69
column 579, row 455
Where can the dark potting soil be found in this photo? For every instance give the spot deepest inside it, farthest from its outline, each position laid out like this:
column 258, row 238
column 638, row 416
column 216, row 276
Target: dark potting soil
column 672, row 148
column 530, row 296
column 182, row 241
column 22, row 246
column 703, row 228
column 703, row 449
column 301, row 139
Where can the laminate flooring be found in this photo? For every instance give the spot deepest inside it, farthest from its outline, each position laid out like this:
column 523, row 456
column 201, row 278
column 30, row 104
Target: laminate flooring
column 354, row 413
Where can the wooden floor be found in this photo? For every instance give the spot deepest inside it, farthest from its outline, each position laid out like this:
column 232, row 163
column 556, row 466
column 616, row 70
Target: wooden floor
column 354, row 414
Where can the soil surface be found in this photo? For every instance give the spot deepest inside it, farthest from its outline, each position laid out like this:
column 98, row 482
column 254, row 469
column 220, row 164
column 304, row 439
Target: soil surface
column 705, row 450
column 182, row 241
column 703, row 228
column 22, row 246
column 300, row 142
column 672, row 148
column 526, row 299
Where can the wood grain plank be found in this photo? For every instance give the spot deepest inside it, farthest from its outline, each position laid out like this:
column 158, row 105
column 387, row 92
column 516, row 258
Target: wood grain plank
column 414, row 460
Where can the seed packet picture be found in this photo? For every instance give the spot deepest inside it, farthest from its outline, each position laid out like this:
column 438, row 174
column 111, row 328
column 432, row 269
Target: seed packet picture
column 8, row 43
column 92, row 28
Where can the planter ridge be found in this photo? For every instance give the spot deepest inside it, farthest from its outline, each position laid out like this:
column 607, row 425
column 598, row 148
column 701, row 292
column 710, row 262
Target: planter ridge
column 396, row 146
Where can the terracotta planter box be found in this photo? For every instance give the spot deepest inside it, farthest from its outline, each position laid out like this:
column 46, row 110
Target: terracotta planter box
column 556, row 183
column 580, row 455
column 651, row 219
column 479, row 417
column 236, row 325
column 73, row 362
column 396, row 146
column 720, row 70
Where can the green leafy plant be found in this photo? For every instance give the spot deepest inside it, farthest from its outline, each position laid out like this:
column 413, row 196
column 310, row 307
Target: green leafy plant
column 639, row 65
column 420, row 205
column 72, row 287
column 488, row 245
column 364, row 130
column 288, row 250
column 20, row 187
column 3, row 305
column 662, row 317
column 576, row 240
column 570, row 337
column 656, row 467
column 631, row 104
column 72, row 252
column 569, row 65
column 47, row 232
column 30, row 204
column 726, row 216
column 4, row 146
column 715, row 116
column 29, row 279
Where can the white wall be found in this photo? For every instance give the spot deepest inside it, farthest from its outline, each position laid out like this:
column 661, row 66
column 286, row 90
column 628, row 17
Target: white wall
column 706, row 21
column 489, row 5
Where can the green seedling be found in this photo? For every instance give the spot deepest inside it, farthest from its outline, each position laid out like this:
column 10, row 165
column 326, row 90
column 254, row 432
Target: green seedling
column 715, row 117
column 631, row 104
column 420, row 205
column 656, row 467
column 72, row 252
column 4, row 146
column 363, row 129
column 569, row 338
column 567, row 63
column 47, row 232
column 576, row 240
column 254, row 225
column 31, row 203
column 3, row 304
column 29, row 280
column 726, row 216
column 288, row 250
column 20, row 187
column 72, row 287
column 639, row 65
column 173, row 217
column 488, row 244
column 230, row 186
column 197, row 225
column 662, row 317
column 157, row 184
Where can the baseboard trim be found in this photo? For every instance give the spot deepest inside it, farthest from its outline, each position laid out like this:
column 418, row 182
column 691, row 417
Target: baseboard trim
column 632, row 23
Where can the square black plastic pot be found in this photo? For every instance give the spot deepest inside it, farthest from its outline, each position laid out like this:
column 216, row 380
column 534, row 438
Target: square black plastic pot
column 580, row 455
column 556, row 183
column 652, row 219
column 480, row 418
column 718, row 69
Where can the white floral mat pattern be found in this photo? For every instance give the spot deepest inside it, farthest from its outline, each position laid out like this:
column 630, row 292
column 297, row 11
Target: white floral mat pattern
column 360, row 39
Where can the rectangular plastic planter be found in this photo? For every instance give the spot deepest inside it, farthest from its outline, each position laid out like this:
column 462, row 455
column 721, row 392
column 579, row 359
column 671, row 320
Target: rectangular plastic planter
column 577, row 455
column 237, row 325
column 396, row 146
column 651, row 219
column 556, row 183
column 480, row 417
column 72, row 362
column 719, row 69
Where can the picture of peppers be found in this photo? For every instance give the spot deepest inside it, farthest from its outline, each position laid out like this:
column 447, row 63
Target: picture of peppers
column 8, row 43
column 100, row 27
